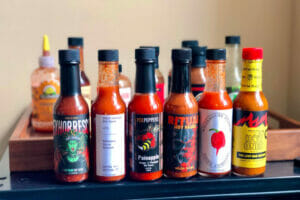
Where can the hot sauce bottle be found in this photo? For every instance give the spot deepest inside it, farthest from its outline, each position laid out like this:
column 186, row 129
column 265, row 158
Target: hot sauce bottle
column 159, row 78
column 250, row 123
column 145, row 121
column 70, row 123
column 108, row 121
column 180, row 120
column 77, row 43
column 197, row 70
column 234, row 64
column 125, row 86
column 184, row 44
column 45, row 89
column 215, row 119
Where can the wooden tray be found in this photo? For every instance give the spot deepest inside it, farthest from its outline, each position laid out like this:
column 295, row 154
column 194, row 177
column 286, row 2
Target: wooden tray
column 32, row 151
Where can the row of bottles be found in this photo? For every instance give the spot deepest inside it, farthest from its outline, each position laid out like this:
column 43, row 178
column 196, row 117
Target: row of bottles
column 197, row 135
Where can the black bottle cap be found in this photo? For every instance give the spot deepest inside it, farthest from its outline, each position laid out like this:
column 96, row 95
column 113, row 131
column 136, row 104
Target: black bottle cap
column 216, row 54
column 233, row 39
column 75, row 41
column 189, row 43
column 108, row 55
column 183, row 55
column 155, row 47
column 69, row 56
column 199, row 56
column 145, row 55
column 297, row 162
column 120, row 68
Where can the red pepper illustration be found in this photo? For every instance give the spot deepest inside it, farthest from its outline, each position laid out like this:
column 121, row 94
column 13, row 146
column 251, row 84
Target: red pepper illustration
column 148, row 140
column 217, row 139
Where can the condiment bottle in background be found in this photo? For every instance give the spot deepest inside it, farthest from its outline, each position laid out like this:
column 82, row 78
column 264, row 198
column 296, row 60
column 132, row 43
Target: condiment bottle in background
column 45, row 87
column 125, row 86
column 215, row 115
column 250, row 123
column 198, row 70
column 159, row 78
column 184, row 44
column 145, row 121
column 180, row 120
column 77, row 43
column 233, row 66
column 108, row 121
column 71, row 123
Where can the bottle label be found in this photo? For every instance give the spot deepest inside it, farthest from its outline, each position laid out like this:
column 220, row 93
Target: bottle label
column 160, row 92
column 125, row 94
column 249, row 138
column 197, row 89
column 215, row 140
column 71, row 138
column 233, row 92
column 43, row 100
column 145, row 145
column 110, row 145
column 180, row 141
column 252, row 76
column 87, row 94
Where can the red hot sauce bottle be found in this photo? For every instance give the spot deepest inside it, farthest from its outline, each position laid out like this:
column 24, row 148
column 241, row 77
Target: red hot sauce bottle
column 70, row 123
column 180, row 120
column 215, row 119
column 108, row 121
column 145, row 121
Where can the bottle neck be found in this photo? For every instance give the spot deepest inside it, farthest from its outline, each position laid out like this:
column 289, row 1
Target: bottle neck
column 108, row 75
column 181, row 78
column 233, row 58
column 145, row 78
column 252, row 76
column 80, row 48
column 215, row 76
column 69, row 80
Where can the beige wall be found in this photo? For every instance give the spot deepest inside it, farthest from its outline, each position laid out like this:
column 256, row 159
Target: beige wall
column 129, row 23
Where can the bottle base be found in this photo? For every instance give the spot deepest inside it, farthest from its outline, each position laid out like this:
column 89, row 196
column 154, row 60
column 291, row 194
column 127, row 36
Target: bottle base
column 213, row 175
column 108, row 179
column 179, row 175
column 152, row 176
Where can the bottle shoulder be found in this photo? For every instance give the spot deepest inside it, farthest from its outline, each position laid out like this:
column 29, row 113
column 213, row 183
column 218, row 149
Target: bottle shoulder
column 71, row 105
column 84, row 80
column 251, row 101
column 181, row 104
column 124, row 81
column 43, row 74
column 145, row 104
column 215, row 100
column 159, row 78
column 198, row 75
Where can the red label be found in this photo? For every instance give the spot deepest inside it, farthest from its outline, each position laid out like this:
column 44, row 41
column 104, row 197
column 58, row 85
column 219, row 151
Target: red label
column 160, row 92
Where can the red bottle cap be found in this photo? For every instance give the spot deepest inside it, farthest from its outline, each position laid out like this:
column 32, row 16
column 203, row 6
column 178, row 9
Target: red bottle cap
column 252, row 53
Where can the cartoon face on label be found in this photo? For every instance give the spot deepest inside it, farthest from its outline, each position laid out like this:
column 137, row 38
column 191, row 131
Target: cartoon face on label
column 72, row 147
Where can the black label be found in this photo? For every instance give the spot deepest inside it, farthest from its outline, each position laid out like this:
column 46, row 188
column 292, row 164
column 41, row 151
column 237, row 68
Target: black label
column 71, row 137
column 145, row 143
column 197, row 89
column 180, row 137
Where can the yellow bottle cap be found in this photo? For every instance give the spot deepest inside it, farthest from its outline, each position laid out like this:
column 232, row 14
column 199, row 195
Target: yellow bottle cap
column 46, row 46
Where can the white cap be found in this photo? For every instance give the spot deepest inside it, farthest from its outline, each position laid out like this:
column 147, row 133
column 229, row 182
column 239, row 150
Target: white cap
column 46, row 61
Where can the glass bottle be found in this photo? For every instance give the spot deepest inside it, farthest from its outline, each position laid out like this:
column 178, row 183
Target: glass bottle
column 71, row 123
column 108, row 121
column 233, row 68
column 180, row 120
column 250, row 123
column 145, row 121
column 45, row 87
column 125, row 86
column 215, row 114
column 77, row 43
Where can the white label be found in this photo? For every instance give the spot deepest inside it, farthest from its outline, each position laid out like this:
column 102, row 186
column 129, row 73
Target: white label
column 125, row 94
column 215, row 140
column 110, row 145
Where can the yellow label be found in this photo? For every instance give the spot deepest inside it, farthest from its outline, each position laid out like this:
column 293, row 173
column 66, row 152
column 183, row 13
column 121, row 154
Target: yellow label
column 43, row 100
column 252, row 76
column 249, row 139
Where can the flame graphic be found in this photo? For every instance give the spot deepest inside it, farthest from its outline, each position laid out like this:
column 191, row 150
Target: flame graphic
column 252, row 123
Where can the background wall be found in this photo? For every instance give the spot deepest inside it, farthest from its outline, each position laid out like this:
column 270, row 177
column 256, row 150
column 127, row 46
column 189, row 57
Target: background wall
column 128, row 24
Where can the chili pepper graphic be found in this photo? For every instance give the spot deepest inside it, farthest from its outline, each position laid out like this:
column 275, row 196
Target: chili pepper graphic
column 217, row 139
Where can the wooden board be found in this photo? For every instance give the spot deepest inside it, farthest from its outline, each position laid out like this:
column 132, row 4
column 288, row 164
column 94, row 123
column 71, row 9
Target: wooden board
column 32, row 151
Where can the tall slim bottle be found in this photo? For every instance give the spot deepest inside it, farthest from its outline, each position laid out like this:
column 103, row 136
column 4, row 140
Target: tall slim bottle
column 77, row 43
column 108, row 121
column 71, row 123
column 145, row 121
column 233, row 66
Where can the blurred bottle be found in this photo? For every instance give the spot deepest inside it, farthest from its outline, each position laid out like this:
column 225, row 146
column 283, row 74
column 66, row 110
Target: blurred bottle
column 124, row 86
column 45, row 87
